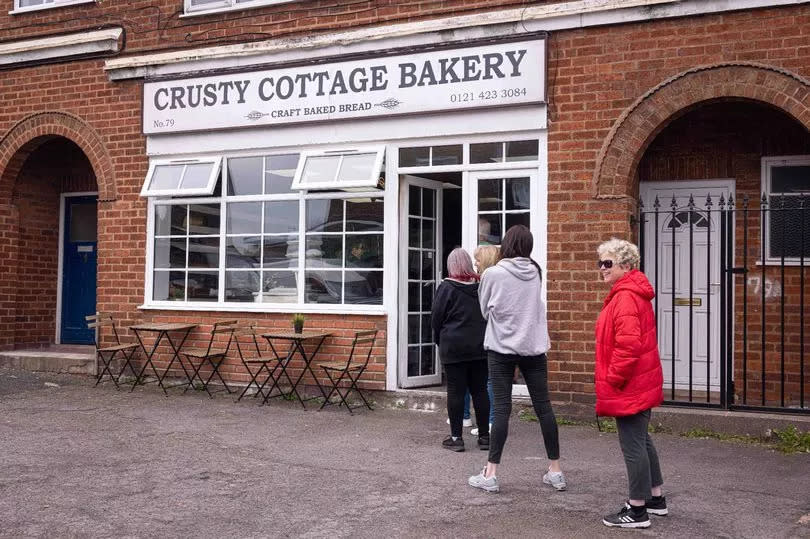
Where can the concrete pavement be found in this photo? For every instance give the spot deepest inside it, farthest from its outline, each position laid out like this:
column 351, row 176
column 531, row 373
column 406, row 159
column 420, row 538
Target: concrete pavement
column 78, row 461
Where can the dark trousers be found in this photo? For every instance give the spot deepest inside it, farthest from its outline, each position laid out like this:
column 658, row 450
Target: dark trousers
column 535, row 372
column 640, row 457
column 461, row 377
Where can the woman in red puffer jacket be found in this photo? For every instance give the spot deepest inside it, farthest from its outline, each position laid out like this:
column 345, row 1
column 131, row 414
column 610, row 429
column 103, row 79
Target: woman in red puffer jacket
column 629, row 378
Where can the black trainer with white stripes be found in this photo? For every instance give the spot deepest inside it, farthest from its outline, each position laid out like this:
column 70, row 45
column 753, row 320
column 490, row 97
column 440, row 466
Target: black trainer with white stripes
column 628, row 517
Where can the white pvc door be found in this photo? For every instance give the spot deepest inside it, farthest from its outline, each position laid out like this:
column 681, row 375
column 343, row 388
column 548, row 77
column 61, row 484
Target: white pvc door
column 420, row 271
column 682, row 261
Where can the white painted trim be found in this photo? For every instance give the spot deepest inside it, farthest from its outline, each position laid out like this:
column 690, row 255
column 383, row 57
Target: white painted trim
column 501, row 23
column 767, row 163
column 61, row 254
column 54, row 5
column 190, row 12
column 35, row 50
column 391, row 272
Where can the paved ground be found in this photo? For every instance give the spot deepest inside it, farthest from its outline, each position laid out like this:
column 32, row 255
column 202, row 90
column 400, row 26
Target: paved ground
column 82, row 462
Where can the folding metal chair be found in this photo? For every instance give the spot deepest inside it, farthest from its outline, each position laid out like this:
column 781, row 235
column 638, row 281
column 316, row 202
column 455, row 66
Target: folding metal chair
column 213, row 356
column 351, row 369
column 106, row 355
column 264, row 363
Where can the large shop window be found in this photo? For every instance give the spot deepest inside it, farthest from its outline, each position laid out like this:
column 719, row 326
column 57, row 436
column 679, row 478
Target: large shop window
column 194, row 6
column 257, row 239
column 787, row 222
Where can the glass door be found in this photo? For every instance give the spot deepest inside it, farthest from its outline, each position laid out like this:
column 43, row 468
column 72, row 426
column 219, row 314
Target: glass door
column 420, row 271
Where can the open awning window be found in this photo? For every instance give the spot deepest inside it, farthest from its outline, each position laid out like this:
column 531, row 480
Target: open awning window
column 182, row 177
column 348, row 170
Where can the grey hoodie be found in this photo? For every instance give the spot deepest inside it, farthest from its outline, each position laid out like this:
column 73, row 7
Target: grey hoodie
column 512, row 304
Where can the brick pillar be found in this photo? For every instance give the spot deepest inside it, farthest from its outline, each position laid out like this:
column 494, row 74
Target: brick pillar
column 9, row 247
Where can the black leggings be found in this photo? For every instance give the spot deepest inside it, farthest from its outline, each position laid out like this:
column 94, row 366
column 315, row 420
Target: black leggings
column 472, row 376
column 535, row 372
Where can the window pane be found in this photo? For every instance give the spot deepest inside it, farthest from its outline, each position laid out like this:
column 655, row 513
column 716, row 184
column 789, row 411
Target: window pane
column 363, row 287
column 414, row 269
column 203, row 252
column 427, row 265
column 320, row 169
column 522, row 150
column 414, row 200
column 364, row 251
column 414, row 290
column 162, row 249
column 364, row 215
column 413, row 328
column 324, row 251
column 281, row 251
column 162, row 220
column 196, row 175
column 513, row 219
column 795, row 179
column 83, row 221
column 245, row 176
column 179, row 220
column 323, row 287
column 787, row 220
column 169, row 286
column 488, row 152
column 356, row 167
column 447, row 155
column 166, row 177
column 413, row 232
column 280, row 173
column 517, row 194
column 489, row 195
column 428, row 203
column 428, row 234
column 203, row 286
column 414, row 157
column 427, row 332
column 203, row 219
column 428, row 365
column 413, row 360
column 325, row 215
column 280, row 287
column 244, row 218
column 242, row 251
column 428, row 290
column 489, row 229
column 242, row 286
column 281, row 217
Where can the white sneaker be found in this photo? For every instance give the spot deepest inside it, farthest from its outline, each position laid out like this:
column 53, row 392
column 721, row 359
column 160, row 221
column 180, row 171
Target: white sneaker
column 556, row 480
column 474, row 432
column 489, row 484
column 465, row 423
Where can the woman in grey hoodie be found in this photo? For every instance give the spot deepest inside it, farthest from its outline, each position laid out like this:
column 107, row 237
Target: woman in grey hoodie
column 511, row 301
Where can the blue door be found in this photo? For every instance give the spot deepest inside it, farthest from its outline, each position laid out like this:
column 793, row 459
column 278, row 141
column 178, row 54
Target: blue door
column 78, row 269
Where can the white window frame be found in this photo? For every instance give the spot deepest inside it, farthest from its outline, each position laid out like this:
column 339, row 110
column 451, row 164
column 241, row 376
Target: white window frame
column 216, row 164
column 768, row 164
column 227, row 5
column 300, row 270
column 47, row 4
column 372, row 182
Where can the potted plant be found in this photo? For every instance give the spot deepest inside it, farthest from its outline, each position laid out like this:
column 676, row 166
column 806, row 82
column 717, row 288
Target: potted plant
column 298, row 322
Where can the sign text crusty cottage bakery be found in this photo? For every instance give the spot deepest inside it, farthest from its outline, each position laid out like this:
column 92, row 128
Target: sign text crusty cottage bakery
column 470, row 77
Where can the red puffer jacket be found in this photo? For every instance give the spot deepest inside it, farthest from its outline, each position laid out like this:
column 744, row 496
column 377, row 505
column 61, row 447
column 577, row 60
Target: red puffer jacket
column 629, row 378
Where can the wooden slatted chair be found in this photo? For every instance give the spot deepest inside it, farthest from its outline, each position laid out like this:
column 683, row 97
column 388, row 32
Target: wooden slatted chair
column 350, row 370
column 213, row 356
column 108, row 354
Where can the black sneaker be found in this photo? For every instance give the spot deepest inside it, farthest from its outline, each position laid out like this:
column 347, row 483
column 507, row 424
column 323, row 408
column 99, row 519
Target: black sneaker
column 628, row 517
column 456, row 445
column 483, row 443
column 657, row 505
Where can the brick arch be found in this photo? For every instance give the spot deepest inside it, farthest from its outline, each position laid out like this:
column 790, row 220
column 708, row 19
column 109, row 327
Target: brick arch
column 615, row 172
column 28, row 134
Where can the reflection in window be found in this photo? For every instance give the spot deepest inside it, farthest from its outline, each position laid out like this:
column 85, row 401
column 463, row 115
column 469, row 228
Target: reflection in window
column 502, row 203
column 788, row 210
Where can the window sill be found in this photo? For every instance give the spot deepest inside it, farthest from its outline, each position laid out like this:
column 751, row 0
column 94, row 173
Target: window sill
column 377, row 310
column 23, row 10
column 788, row 262
column 214, row 11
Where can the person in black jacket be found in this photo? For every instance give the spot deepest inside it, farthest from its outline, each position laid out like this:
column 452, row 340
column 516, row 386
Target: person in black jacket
column 458, row 329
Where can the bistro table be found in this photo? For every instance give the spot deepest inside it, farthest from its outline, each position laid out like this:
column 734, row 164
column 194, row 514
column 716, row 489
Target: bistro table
column 162, row 330
column 297, row 341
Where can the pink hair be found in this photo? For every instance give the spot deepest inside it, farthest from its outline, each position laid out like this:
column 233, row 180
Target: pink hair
column 459, row 266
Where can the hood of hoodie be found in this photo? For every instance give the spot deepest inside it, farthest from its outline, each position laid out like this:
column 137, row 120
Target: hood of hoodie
column 471, row 289
column 522, row 268
column 635, row 282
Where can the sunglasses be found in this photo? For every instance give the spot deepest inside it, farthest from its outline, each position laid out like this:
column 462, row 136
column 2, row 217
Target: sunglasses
column 607, row 264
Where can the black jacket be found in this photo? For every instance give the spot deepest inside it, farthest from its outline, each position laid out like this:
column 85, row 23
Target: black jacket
column 458, row 327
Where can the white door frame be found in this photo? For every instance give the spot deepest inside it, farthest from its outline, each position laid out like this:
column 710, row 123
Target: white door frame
column 648, row 189
column 60, row 257
column 405, row 181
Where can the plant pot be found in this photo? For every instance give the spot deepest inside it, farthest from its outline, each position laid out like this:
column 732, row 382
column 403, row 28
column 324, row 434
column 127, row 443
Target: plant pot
column 298, row 328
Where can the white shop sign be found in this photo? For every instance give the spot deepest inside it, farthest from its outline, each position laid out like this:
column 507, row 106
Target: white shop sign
column 448, row 79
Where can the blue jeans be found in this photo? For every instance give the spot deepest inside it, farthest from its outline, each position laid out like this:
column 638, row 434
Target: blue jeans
column 491, row 402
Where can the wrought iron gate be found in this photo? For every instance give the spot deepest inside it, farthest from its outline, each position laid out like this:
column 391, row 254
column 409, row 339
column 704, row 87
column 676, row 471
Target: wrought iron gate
column 730, row 284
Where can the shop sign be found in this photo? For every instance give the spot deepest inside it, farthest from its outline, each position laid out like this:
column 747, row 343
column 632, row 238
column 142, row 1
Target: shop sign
column 442, row 80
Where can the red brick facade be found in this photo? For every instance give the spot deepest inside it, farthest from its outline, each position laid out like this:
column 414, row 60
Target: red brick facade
column 611, row 91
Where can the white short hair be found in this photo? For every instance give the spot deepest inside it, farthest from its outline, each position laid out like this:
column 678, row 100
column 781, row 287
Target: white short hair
column 623, row 252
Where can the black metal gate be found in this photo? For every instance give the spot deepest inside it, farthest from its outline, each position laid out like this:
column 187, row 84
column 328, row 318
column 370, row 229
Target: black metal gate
column 730, row 284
